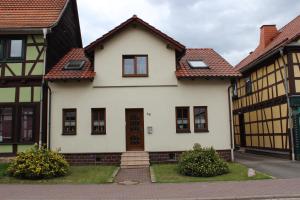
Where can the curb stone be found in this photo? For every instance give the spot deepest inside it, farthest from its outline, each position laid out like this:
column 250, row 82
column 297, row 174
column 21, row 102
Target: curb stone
column 152, row 175
column 114, row 174
column 263, row 197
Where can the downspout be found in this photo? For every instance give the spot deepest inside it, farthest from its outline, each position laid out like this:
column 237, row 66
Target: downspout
column 45, row 31
column 230, row 123
column 289, row 105
column 49, row 118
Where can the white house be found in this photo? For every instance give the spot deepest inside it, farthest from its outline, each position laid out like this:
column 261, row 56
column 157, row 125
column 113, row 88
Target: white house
column 137, row 89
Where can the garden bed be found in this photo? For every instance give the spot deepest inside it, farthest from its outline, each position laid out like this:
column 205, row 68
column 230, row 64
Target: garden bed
column 78, row 175
column 168, row 173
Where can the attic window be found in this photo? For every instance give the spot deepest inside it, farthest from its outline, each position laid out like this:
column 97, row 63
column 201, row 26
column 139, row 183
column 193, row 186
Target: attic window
column 197, row 64
column 74, row 65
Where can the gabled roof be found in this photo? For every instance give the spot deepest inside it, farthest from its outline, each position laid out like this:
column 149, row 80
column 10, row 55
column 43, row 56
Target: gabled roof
column 287, row 34
column 217, row 66
column 59, row 73
column 135, row 20
column 30, row 13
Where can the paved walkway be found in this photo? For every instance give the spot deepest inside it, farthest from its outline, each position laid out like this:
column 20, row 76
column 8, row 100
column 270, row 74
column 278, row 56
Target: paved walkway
column 276, row 167
column 215, row 190
column 132, row 176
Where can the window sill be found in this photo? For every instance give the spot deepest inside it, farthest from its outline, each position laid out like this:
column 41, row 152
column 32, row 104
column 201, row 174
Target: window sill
column 183, row 131
column 98, row 133
column 201, row 131
column 17, row 143
column 135, row 76
column 68, row 134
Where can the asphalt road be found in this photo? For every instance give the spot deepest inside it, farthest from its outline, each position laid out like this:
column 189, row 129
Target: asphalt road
column 276, row 167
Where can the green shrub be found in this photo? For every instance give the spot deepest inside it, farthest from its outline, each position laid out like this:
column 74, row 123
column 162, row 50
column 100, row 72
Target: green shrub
column 38, row 163
column 202, row 162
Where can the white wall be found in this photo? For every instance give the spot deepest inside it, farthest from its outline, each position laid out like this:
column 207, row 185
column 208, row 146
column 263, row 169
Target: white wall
column 158, row 94
column 161, row 60
column 160, row 102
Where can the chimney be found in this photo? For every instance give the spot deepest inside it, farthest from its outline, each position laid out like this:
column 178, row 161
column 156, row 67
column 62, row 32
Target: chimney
column 267, row 33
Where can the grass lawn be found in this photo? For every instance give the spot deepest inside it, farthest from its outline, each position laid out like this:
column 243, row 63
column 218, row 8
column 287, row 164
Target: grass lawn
column 78, row 175
column 167, row 173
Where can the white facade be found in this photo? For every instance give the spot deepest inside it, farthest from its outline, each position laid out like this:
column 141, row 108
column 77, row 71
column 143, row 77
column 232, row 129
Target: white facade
column 158, row 95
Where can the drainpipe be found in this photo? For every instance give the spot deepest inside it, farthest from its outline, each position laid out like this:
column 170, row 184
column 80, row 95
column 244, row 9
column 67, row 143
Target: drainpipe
column 45, row 31
column 49, row 118
column 289, row 105
column 230, row 123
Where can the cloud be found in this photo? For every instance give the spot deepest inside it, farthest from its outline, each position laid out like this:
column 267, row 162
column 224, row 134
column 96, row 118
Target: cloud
column 231, row 27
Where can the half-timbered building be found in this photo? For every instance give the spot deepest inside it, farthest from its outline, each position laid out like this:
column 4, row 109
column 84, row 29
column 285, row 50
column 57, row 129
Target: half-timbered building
column 266, row 97
column 34, row 35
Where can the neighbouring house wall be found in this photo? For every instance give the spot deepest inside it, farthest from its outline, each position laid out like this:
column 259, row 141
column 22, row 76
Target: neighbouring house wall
column 108, row 61
column 159, row 112
column 263, row 114
column 64, row 36
column 20, row 87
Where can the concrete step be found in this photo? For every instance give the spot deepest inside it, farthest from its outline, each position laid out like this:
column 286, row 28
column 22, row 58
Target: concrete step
column 126, row 154
column 141, row 162
column 135, row 159
column 133, row 166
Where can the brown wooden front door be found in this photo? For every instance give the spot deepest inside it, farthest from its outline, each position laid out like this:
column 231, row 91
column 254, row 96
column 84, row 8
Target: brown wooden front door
column 134, row 129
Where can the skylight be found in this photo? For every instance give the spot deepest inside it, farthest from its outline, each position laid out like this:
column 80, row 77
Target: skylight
column 74, row 65
column 197, row 64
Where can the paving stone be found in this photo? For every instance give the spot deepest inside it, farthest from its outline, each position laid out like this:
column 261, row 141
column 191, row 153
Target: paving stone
column 140, row 175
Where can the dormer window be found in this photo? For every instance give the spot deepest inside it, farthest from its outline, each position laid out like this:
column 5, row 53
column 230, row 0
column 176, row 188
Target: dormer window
column 197, row 64
column 135, row 65
column 74, row 65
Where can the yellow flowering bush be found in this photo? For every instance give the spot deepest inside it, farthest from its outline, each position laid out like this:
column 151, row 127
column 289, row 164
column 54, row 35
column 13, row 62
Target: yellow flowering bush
column 202, row 162
column 38, row 163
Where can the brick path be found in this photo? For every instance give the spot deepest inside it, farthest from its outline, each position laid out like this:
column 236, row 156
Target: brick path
column 140, row 175
column 273, row 189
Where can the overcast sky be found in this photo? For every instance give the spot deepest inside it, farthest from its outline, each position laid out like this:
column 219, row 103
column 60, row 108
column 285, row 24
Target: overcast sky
column 231, row 27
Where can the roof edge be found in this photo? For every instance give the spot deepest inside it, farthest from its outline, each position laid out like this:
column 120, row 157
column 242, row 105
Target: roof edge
column 180, row 47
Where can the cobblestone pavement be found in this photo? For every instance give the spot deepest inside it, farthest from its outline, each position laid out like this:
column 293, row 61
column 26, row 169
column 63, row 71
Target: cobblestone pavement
column 269, row 189
column 138, row 175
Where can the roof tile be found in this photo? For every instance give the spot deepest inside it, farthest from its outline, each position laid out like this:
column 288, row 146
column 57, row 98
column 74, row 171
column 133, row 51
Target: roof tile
column 218, row 66
column 286, row 34
column 58, row 72
column 30, row 13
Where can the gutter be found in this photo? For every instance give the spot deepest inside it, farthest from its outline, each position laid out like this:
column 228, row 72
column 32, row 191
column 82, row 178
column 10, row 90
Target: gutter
column 230, row 123
column 288, row 104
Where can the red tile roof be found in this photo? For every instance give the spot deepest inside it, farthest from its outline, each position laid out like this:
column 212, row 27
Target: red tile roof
column 217, row 66
column 30, row 13
column 58, row 72
column 287, row 34
column 135, row 20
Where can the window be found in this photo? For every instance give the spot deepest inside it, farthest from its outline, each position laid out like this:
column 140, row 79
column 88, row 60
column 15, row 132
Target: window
column 200, row 119
column 234, row 90
column 1, row 49
column 135, row 65
column 11, row 49
column 197, row 64
column 69, row 121
column 15, row 47
column 183, row 120
column 6, row 124
column 74, row 65
column 27, row 124
column 98, row 121
column 248, row 86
